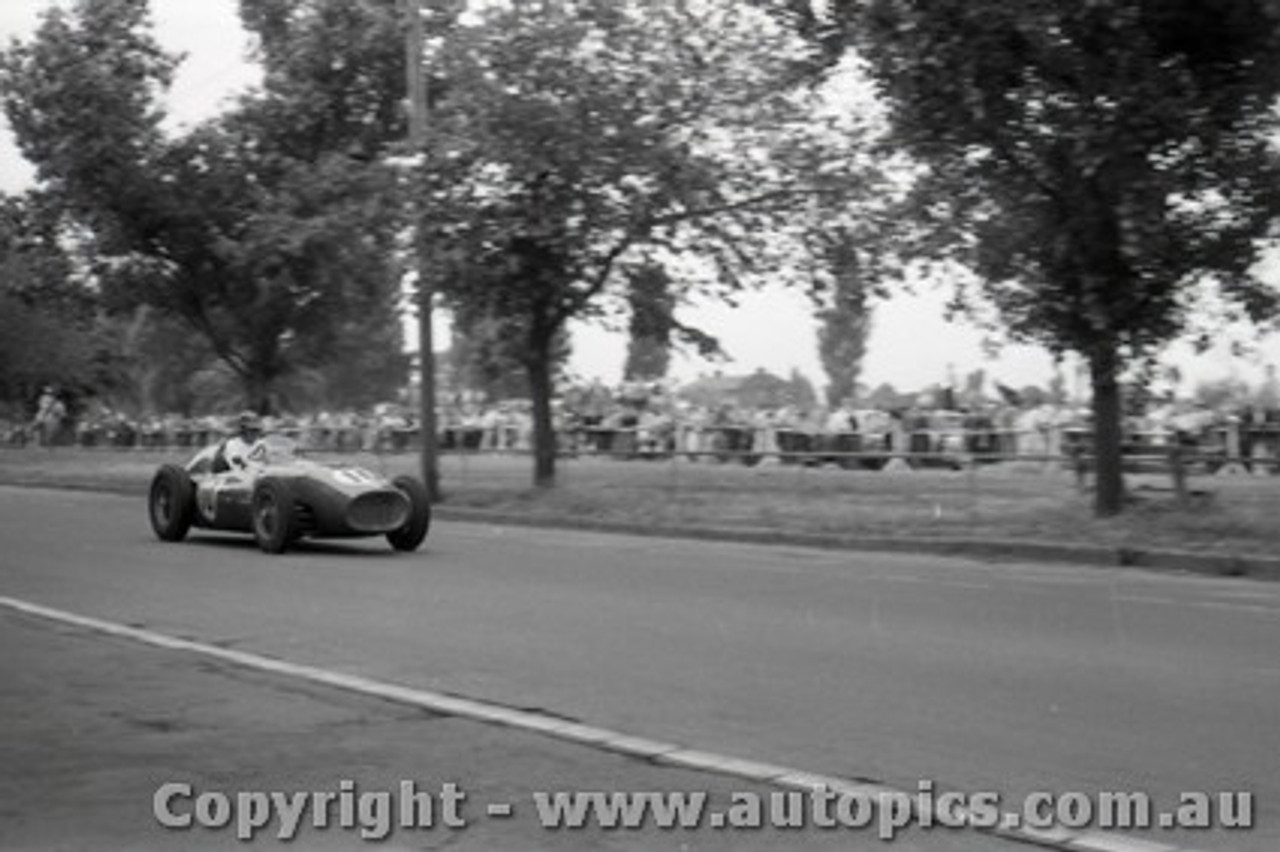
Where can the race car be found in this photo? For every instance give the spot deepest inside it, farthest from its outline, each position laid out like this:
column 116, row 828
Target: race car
column 280, row 497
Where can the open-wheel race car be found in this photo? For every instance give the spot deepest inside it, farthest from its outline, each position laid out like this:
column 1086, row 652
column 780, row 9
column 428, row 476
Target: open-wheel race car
column 280, row 497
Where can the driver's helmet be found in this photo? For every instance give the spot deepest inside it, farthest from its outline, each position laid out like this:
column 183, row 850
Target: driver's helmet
column 248, row 422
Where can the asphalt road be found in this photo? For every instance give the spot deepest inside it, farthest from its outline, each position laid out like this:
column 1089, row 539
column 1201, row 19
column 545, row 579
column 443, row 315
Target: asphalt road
column 1006, row 677
column 96, row 726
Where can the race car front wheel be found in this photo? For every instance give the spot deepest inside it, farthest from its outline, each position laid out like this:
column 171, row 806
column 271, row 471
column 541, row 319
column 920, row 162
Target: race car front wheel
column 274, row 520
column 415, row 528
column 171, row 503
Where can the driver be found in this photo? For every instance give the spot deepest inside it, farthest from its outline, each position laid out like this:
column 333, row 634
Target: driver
column 237, row 448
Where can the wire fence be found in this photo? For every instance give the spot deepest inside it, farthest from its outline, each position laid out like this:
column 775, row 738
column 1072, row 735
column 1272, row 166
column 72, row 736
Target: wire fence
column 1226, row 450
column 971, row 487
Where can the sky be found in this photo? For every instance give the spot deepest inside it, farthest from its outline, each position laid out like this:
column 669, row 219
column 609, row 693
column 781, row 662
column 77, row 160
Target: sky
column 911, row 346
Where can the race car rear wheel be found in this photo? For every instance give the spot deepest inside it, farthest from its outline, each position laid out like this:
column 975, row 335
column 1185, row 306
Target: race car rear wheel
column 274, row 520
column 171, row 503
column 415, row 529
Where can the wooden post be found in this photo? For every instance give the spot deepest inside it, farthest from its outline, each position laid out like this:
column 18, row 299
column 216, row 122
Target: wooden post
column 414, row 41
column 1178, row 464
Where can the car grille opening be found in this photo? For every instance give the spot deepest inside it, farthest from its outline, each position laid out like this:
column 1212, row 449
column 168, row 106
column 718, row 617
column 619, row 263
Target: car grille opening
column 378, row 511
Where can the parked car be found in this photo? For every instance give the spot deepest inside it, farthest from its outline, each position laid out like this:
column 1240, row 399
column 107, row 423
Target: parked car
column 869, row 435
column 1152, row 450
column 939, row 439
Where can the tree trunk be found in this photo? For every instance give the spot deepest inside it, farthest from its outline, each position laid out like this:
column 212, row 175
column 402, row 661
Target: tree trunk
column 1107, row 429
column 257, row 388
column 538, row 365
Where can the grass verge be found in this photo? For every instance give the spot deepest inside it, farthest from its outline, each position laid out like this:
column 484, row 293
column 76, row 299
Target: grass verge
column 1232, row 515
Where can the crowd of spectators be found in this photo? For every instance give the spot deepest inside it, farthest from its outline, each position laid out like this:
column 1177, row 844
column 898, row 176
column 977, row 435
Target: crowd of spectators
column 382, row 429
column 650, row 421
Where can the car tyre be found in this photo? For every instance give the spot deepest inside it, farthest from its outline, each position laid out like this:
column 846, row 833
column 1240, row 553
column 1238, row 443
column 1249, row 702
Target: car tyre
column 171, row 503
column 274, row 520
column 409, row 536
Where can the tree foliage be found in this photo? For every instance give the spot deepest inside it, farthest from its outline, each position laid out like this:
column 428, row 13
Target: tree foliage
column 82, row 97
column 764, row 391
column 334, row 78
column 844, row 324
column 46, row 315
column 579, row 141
column 34, row 266
column 271, row 229
column 37, row 349
column 487, row 354
column 651, row 324
column 1099, row 165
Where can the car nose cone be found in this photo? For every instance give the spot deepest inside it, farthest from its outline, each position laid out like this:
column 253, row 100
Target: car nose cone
column 378, row 511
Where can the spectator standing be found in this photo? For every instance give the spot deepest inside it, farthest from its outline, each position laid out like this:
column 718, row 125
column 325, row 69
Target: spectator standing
column 50, row 414
column 1268, row 395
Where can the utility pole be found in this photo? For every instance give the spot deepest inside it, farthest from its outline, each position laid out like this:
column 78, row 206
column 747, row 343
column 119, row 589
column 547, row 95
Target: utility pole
column 414, row 42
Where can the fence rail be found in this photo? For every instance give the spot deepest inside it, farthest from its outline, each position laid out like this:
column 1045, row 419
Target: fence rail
column 1172, row 458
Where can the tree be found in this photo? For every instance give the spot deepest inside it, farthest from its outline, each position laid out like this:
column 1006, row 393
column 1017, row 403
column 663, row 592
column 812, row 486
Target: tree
column 578, row 141
column 36, row 349
column 885, row 397
column 801, row 392
column 486, row 355
column 330, row 112
column 35, row 268
column 653, row 307
column 764, row 390
column 283, row 265
column 46, row 315
column 82, row 98
column 974, row 392
column 654, row 330
column 1098, row 164
column 845, row 325
column 334, row 78
column 271, row 231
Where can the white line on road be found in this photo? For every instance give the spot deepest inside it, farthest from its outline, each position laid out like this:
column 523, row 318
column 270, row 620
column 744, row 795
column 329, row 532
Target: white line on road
column 930, row 581
column 484, row 711
column 1250, row 594
column 1210, row 604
